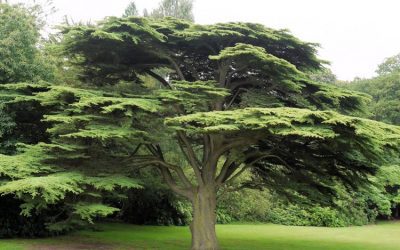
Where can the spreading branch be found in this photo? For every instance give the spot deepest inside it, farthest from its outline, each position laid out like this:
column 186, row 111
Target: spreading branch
column 190, row 155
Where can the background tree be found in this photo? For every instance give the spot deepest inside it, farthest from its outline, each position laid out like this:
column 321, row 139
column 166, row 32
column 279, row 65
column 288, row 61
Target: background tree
column 384, row 106
column 19, row 37
column 390, row 65
column 236, row 99
column 325, row 75
column 385, row 92
column 146, row 13
column 182, row 9
column 131, row 10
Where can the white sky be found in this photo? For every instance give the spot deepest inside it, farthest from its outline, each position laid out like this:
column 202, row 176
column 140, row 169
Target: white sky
column 355, row 35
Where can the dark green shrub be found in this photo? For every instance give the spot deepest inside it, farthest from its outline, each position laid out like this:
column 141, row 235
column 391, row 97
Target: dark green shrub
column 13, row 224
column 154, row 206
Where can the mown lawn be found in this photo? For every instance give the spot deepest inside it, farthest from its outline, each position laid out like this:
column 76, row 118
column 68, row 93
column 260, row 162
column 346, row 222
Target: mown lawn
column 384, row 236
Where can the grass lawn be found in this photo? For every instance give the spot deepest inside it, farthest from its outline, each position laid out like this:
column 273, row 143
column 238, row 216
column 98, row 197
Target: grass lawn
column 384, row 236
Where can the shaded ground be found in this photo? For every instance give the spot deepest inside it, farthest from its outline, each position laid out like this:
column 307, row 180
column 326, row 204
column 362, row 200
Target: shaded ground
column 384, row 236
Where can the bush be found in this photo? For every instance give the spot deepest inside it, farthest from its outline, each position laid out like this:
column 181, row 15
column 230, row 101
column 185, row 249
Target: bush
column 295, row 215
column 246, row 205
column 290, row 215
column 326, row 217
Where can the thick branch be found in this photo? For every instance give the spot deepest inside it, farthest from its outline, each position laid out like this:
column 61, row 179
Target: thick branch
column 180, row 173
column 234, row 97
column 206, row 148
column 158, row 162
column 176, row 67
column 228, row 164
column 159, row 78
column 233, row 144
column 223, row 72
column 247, row 166
column 172, row 184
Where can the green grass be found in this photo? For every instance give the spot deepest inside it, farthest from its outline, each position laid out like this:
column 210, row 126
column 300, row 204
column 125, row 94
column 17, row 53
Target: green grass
column 384, row 236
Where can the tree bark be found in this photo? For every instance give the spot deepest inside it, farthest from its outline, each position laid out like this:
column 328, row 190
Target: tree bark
column 204, row 219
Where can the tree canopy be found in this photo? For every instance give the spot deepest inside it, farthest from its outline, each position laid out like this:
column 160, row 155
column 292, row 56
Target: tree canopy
column 229, row 98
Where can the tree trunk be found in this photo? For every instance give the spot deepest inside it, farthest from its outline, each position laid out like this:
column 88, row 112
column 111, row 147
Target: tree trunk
column 204, row 219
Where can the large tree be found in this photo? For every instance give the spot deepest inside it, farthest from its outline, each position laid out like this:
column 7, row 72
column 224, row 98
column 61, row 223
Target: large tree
column 236, row 99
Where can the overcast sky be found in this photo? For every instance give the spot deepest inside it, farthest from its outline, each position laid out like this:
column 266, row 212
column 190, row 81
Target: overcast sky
column 355, row 35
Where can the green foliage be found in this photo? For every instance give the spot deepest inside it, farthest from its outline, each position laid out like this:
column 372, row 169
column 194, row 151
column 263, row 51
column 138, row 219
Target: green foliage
column 88, row 211
column 257, row 57
column 112, row 182
column 50, row 188
column 285, row 121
